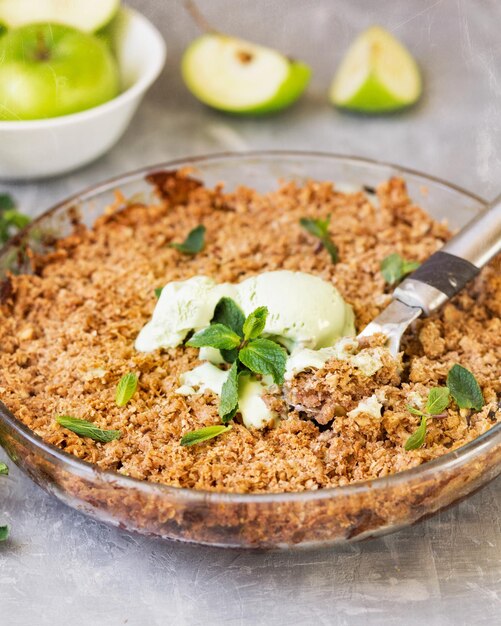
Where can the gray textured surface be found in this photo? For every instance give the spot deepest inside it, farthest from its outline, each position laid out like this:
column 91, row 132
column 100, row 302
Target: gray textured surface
column 59, row 567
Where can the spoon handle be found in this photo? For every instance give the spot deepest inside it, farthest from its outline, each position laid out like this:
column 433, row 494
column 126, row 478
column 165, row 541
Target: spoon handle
column 447, row 271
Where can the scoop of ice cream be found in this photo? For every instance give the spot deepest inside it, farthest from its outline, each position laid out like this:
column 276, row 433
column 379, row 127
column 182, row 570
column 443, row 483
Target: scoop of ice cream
column 183, row 306
column 303, row 310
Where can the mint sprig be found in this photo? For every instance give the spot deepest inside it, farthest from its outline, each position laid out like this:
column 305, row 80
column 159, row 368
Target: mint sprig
column 438, row 400
column 126, row 388
column 320, row 229
column 193, row 243
column 240, row 343
column 464, row 388
column 258, row 355
column 394, row 268
column 83, row 428
column 4, row 470
column 203, row 434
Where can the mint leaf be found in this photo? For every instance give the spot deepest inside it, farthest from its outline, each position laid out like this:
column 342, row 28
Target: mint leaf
column 215, row 336
column 255, row 323
column 316, row 227
column 203, row 434
column 4, row 470
column 409, row 266
column 228, row 313
column 158, row 291
column 320, row 229
column 230, row 356
column 229, row 395
column 263, row 356
column 464, row 388
column 6, row 202
column 438, row 400
column 394, row 268
column 83, row 428
column 126, row 388
column 331, row 248
column 193, row 243
column 16, row 219
column 10, row 218
column 416, row 440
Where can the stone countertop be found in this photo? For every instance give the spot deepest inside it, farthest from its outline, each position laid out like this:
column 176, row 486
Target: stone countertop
column 60, row 567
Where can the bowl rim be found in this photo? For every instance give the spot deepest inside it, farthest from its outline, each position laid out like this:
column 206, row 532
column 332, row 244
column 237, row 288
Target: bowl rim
column 139, row 87
column 448, row 461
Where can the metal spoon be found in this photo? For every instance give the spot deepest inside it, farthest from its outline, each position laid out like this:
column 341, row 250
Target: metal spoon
column 441, row 276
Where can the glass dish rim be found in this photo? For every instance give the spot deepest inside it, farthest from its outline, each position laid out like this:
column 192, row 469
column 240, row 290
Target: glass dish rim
column 447, row 461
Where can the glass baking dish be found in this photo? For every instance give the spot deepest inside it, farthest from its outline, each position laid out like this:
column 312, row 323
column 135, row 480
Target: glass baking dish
column 285, row 520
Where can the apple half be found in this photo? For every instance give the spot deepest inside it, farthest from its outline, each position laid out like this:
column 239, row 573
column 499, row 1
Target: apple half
column 377, row 75
column 240, row 77
column 86, row 15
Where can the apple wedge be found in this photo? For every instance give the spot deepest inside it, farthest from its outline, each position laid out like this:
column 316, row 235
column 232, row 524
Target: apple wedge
column 86, row 15
column 240, row 77
column 377, row 75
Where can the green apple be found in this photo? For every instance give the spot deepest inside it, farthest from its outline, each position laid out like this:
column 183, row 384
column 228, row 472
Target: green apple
column 87, row 15
column 49, row 70
column 377, row 75
column 240, row 77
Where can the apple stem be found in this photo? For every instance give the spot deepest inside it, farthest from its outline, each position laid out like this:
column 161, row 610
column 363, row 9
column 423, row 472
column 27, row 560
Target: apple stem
column 198, row 17
column 42, row 52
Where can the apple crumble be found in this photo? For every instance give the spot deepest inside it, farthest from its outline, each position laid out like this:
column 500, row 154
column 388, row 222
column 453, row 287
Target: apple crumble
column 68, row 333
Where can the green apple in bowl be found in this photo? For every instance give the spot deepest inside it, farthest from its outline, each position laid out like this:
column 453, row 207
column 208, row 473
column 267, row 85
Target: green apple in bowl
column 240, row 77
column 49, row 70
column 87, row 15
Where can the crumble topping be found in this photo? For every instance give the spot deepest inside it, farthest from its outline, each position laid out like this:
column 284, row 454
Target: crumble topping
column 67, row 336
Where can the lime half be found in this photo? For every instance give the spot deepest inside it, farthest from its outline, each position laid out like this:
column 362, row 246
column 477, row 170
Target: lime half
column 377, row 75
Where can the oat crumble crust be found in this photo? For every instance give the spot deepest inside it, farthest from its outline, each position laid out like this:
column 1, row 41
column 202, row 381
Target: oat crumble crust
column 67, row 336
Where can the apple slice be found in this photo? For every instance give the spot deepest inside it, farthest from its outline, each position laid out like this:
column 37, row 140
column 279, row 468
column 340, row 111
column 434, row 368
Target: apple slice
column 89, row 15
column 377, row 75
column 240, row 77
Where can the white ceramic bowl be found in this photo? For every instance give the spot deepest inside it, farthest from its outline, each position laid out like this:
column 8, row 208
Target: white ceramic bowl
column 48, row 147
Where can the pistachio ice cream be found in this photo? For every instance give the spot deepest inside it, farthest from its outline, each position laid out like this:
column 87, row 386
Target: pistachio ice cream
column 303, row 310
